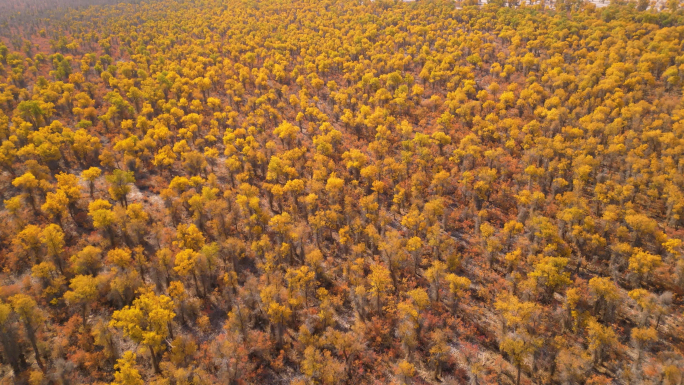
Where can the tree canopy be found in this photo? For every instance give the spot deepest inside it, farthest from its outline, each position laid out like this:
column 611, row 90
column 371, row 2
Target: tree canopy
column 328, row 192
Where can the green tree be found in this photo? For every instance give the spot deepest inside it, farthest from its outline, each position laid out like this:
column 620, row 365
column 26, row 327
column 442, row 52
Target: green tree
column 119, row 185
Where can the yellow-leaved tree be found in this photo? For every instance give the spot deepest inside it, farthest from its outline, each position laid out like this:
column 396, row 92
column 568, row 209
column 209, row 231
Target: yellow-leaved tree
column 147, row 322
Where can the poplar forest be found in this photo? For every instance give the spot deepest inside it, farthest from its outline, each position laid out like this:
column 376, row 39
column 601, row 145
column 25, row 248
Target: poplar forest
column 341, row 192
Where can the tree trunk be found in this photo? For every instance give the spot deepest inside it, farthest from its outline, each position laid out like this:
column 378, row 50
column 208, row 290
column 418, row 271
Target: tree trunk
column 32, row 338
column 11, row 351
column 110, row 232
column 155, row 363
